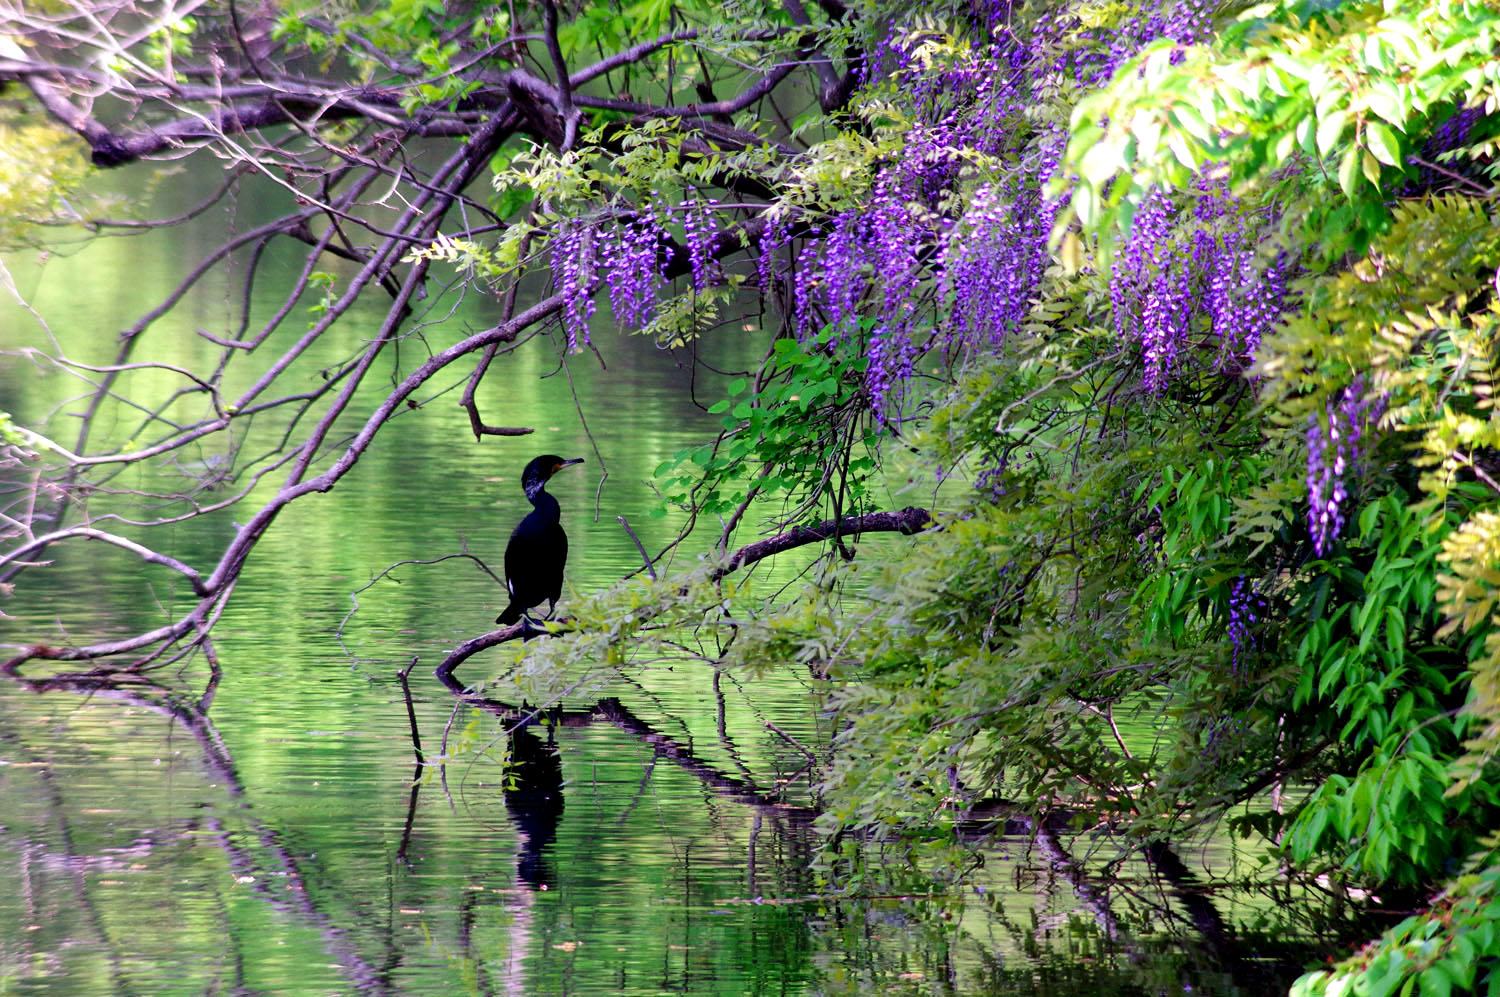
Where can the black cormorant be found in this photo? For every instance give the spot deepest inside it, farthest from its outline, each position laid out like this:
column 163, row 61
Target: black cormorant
column 538, row 548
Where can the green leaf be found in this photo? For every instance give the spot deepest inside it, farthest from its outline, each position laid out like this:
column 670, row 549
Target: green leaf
column 1384, row 100
column 1086, row 204
column 1349, row 170
column 1101, row 162
column 1330, row 128
column 1191, row 122
column 1185, row 150
column 1305, row 132
column 1381, row 139
column 1435, row 983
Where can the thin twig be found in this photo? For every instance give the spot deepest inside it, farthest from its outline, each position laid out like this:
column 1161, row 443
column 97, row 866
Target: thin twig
column 411, row 713
column 646, row 558
column 790, row 740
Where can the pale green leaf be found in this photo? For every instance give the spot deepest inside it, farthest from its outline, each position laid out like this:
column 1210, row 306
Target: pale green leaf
column 1349, row 169
column 1330, row 128
column 1382, row 141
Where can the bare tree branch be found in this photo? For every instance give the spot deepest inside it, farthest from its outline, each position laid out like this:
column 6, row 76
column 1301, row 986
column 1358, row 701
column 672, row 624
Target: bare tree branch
column 335, row 160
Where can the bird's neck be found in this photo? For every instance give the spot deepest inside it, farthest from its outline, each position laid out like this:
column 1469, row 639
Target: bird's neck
column 545, row 504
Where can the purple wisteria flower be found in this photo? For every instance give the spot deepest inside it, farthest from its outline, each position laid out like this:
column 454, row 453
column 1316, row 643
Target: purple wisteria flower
column 840, row 282
column 1194, row 274
column 1241, row 615
column 1175, row 287
column 1336, row 444
column 891, row 355
column 1223, row 736
column 1436, row 169
column 1151, row 295
column 1244, row 301
column 775, row 237
column 573, row 275
column 700, row 226
column 999, row 260
column 632, row 271
column 1095, row 54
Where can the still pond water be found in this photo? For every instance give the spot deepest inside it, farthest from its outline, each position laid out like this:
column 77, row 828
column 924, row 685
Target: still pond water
column 271, row 833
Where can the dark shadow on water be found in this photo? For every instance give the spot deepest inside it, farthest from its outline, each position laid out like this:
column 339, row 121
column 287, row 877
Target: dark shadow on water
column 1205, row 947
column 534, row 799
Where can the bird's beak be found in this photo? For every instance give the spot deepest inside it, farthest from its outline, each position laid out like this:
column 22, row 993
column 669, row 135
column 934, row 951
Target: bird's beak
column 566, row 463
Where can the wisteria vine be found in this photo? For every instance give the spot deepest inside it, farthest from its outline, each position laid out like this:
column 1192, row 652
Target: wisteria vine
column 901, row 269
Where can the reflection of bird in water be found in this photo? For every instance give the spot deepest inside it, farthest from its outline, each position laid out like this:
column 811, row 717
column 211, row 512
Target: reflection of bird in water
column 538, row 548
column 534, row 799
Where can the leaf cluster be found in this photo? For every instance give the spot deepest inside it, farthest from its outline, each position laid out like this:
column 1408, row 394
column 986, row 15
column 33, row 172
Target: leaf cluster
column 1345, row 94
column 800, row 437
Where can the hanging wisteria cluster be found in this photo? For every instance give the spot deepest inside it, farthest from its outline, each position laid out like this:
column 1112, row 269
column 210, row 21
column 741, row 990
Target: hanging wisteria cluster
column 900, row 271
column 1191, row 275
column 573, row 274
column 1092, row 55
column 699, row 226
column 1151, row 295
column 1241, row 616
column 1337, row 441
column 1437, row 168
column 632, row 270
column 990, row 261
column 994, row 259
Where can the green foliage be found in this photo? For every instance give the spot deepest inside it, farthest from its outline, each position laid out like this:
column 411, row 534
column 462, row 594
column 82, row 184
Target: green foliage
column 41, row 165
column 681, row 319
column 9, row 433
column 1378, row 660
column 1419, row 317
column 801, row 436
column 1345, row 93
column 172, row 39
column 471, row 258
column 325, row 284
column 420, row 33
column 1450, row 949
column 1013, row 633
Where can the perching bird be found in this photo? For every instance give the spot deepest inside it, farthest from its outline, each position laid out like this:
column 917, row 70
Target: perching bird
column 538, row 548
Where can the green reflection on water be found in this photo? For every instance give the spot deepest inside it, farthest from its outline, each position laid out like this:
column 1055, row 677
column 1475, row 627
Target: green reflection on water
column 150, row 852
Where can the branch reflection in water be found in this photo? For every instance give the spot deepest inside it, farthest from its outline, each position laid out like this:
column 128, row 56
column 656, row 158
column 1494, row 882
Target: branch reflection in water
column 176, row 861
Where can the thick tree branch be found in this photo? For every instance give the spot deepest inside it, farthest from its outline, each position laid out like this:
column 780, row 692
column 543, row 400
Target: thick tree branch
column 829, row 84
column 909, row 520
column 565, row 108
